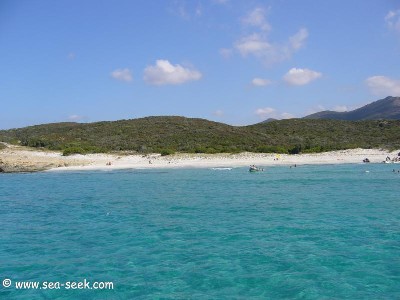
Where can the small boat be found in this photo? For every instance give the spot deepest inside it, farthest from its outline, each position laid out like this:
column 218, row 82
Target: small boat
column 254, row 168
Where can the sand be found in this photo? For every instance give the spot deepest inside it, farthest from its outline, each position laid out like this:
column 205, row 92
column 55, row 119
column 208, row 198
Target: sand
column 17, row 159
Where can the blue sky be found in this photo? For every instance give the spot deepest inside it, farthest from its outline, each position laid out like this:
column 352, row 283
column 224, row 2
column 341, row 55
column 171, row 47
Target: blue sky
column 237, row 62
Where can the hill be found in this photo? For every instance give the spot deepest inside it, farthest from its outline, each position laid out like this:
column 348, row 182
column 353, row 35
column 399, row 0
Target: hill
column 170, row 134
column 151, row 134
column 387, row 108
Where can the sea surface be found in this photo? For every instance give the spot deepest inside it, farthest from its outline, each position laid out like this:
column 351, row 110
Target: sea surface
column 310, row 232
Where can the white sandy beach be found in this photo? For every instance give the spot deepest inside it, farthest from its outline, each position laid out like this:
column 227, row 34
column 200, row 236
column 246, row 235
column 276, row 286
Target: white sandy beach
column 54, row 161
column 99, row 161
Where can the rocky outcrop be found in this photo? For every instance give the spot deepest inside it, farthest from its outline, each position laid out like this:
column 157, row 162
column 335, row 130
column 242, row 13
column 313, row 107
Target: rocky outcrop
column 17, row 168
column 15, row 159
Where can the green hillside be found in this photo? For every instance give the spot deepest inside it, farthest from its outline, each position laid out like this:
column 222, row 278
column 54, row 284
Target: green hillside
column 178, row 134
column 312, row 135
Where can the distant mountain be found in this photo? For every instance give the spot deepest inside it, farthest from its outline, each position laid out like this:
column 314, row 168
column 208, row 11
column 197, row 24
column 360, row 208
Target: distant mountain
column 387, row 108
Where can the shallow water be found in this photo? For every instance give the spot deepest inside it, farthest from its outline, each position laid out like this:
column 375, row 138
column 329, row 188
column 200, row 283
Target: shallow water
column 311, row 232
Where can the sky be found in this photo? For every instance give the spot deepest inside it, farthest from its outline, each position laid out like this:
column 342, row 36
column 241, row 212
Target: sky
column 230, row 61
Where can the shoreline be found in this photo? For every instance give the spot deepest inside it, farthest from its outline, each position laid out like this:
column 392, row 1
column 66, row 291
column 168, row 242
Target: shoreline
column 23, row 159
column 229, row 160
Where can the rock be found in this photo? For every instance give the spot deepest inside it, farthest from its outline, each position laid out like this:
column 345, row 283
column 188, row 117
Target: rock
column 15, row 168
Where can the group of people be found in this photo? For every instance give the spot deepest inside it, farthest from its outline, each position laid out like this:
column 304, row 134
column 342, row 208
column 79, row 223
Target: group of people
column 394, row 159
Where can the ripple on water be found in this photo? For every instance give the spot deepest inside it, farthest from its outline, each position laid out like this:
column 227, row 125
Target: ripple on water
column 310, row 232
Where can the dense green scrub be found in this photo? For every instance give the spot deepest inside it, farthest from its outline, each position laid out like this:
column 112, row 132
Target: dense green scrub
column 167, row 135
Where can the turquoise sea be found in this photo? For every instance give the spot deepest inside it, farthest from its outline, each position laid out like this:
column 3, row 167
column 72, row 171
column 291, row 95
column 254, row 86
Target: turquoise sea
column 311, row 232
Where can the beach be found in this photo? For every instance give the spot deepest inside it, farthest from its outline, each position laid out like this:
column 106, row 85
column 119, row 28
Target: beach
column 23, row 159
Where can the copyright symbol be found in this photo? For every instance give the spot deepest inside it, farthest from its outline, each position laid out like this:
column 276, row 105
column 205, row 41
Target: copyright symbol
column 7, row 283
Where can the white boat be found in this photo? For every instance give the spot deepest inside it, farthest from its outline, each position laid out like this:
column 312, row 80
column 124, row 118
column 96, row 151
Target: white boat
column 254, row 168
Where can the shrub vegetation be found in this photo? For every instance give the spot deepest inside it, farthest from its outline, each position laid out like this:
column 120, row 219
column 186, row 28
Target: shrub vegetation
column 167, row 135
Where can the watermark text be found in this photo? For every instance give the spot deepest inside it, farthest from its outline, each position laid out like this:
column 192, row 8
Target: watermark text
column 58, row 285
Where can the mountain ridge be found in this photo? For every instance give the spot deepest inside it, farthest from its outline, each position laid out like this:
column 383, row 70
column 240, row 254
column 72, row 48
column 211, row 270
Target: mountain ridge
column 384, row 109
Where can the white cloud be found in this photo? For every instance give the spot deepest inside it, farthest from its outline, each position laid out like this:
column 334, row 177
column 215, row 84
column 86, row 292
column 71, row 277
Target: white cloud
column 340, row 108
column 286, row 115
column 122, row 75
column 382, row 85
column 301, row 76
column 265, row 112
column 165, row 73
column 185, row 10
column 76, row 118
column 393, row 20
column 257, row 18
column 269, row 112
column 315, row 109
column 258, row 45
column 261, row 82
column 298, row 40
column 390, row 15
column 253, row 44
